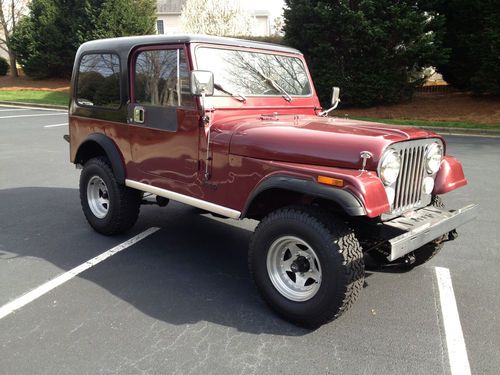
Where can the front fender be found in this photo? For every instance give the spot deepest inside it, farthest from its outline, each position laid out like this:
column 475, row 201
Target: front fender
column 351, row 205
column 363, row 193
column 450, row 176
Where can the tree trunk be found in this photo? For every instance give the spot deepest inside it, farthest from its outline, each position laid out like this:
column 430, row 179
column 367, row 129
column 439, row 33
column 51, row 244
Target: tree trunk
column 12, row 55
column 12, row 62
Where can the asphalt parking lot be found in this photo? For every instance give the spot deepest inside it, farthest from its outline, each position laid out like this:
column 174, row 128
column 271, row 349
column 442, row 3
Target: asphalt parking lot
column 181, row 301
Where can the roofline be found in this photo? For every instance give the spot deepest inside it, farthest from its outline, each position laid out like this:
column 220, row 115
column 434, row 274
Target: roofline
column 130, row 42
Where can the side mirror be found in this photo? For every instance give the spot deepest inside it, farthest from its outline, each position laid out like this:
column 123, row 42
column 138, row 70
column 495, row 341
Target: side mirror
column 202, row 83
column 335, row 95
column 335, row 101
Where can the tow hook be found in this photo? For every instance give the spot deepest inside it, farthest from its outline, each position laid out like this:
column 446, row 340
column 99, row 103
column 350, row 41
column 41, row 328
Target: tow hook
column 452, row 235
column 409, row 259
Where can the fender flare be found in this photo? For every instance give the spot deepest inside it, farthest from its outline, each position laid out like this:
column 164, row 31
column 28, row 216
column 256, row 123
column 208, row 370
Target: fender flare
column 348, row 201
column 110, row 149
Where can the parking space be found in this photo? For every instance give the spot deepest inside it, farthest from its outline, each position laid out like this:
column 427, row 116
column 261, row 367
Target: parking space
column 181, row 300
column 29, row 152
column 23, row 116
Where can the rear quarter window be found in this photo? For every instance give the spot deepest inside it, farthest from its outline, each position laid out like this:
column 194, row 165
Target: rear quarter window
column 98, row 82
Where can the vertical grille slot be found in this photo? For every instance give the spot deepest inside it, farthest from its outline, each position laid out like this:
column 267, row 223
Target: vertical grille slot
column 408, row 188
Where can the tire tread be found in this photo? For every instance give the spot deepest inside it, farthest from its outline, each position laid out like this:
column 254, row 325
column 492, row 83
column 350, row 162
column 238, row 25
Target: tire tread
column 340, row 236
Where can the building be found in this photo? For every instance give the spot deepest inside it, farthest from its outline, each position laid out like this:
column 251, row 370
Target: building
column 3, row 53
column 264, row 12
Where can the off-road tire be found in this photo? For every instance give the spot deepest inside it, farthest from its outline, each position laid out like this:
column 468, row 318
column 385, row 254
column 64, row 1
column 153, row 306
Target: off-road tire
column 124, row 202
column 338, row 252
column 422, row 254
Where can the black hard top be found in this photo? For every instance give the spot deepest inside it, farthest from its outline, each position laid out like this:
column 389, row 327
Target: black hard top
column 127, row 43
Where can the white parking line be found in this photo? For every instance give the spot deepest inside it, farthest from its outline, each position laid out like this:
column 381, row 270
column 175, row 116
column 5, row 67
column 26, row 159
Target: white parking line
column 43, row 114
column 28, row 107
column 457, row 352
column 11, row 110
column 61, row 279
column 55, row 125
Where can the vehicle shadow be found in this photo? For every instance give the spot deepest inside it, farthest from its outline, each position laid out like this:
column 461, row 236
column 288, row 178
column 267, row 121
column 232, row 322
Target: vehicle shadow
column 374, row 266
column 194, row 269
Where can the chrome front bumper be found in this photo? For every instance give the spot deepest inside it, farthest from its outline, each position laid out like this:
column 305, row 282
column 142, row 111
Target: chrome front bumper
column 424, row 226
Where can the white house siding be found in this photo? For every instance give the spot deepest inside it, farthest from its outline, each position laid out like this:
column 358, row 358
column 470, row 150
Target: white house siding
column 2, row 52
column 261, row 26
column 171, row 23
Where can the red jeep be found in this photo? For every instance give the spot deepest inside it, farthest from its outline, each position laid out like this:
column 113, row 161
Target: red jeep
column 235, row 128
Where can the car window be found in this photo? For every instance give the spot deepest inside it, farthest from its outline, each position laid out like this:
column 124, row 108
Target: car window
column 254, row 73
column 162, row 78
column 99, row 81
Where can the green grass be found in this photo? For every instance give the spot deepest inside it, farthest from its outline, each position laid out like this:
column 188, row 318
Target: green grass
column 61, row 98
column 429, row 123
column 35, row 97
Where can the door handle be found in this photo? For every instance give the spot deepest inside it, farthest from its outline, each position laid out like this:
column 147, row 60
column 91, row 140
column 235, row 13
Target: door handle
column 139, row 114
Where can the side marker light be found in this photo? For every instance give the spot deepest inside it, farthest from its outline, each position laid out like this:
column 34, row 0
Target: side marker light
column 325, row 180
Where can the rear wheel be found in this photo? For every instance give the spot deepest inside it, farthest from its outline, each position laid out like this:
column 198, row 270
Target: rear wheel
column 307, row 265
column 109, row 207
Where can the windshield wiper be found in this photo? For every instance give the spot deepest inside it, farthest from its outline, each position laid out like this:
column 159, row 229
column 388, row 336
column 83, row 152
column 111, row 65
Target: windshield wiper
column 237, row 96
column 271, row 82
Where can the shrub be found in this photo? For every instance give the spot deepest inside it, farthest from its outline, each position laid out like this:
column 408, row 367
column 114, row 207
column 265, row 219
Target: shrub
column 4, row 66
column 473, row 35
column 375, row 50
column 275, row 39
column 46, row 41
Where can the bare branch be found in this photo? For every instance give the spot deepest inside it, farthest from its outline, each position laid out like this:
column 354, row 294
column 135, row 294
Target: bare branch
column 10, row 13
column 216, row 17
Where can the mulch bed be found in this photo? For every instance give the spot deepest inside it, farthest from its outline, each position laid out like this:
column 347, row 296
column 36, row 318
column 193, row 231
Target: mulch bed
column 8, row 83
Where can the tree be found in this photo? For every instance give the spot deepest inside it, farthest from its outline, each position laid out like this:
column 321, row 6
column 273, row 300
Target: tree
column 10, row 12
column 46, row 41
column 473, row 35
column 277, row 27
column 126, row 17
column 216, row 17
column 375, row 50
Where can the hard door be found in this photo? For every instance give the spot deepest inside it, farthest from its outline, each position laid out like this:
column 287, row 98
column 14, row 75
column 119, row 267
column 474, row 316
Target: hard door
column 162, row 114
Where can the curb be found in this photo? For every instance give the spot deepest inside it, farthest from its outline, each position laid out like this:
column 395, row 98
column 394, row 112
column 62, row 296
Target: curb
column 443, row 130
column 457, row 131
column 36, row 105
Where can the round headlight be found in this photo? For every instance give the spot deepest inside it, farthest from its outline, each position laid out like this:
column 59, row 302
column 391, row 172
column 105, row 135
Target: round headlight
column 389, row 167
column 433, row 157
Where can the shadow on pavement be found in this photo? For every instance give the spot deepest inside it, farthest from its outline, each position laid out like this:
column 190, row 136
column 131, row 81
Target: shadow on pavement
column 194, row 269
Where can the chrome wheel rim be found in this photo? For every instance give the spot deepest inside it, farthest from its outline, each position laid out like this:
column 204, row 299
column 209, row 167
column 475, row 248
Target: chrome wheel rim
column 294, row 268
column 98, row 197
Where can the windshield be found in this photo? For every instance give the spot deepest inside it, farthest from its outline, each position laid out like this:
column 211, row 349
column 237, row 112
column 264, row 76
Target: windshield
column 254, row 73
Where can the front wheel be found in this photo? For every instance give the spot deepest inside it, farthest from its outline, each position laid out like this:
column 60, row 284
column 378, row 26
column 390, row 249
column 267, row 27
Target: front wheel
column 307, row 265
column 109, row 207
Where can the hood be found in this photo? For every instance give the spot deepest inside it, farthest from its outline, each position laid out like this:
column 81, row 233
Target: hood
column 315, row 140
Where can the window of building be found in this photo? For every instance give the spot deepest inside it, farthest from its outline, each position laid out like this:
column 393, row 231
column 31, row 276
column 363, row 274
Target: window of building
column 99, row 81
column 159, row 27
column 162, row 78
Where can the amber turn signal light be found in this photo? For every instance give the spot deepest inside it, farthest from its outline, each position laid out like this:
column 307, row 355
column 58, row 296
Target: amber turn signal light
column 330, row 181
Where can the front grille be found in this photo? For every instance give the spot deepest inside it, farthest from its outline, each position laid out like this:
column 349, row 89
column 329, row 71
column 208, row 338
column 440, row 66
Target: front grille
column 409, row 184
column 408, row 187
